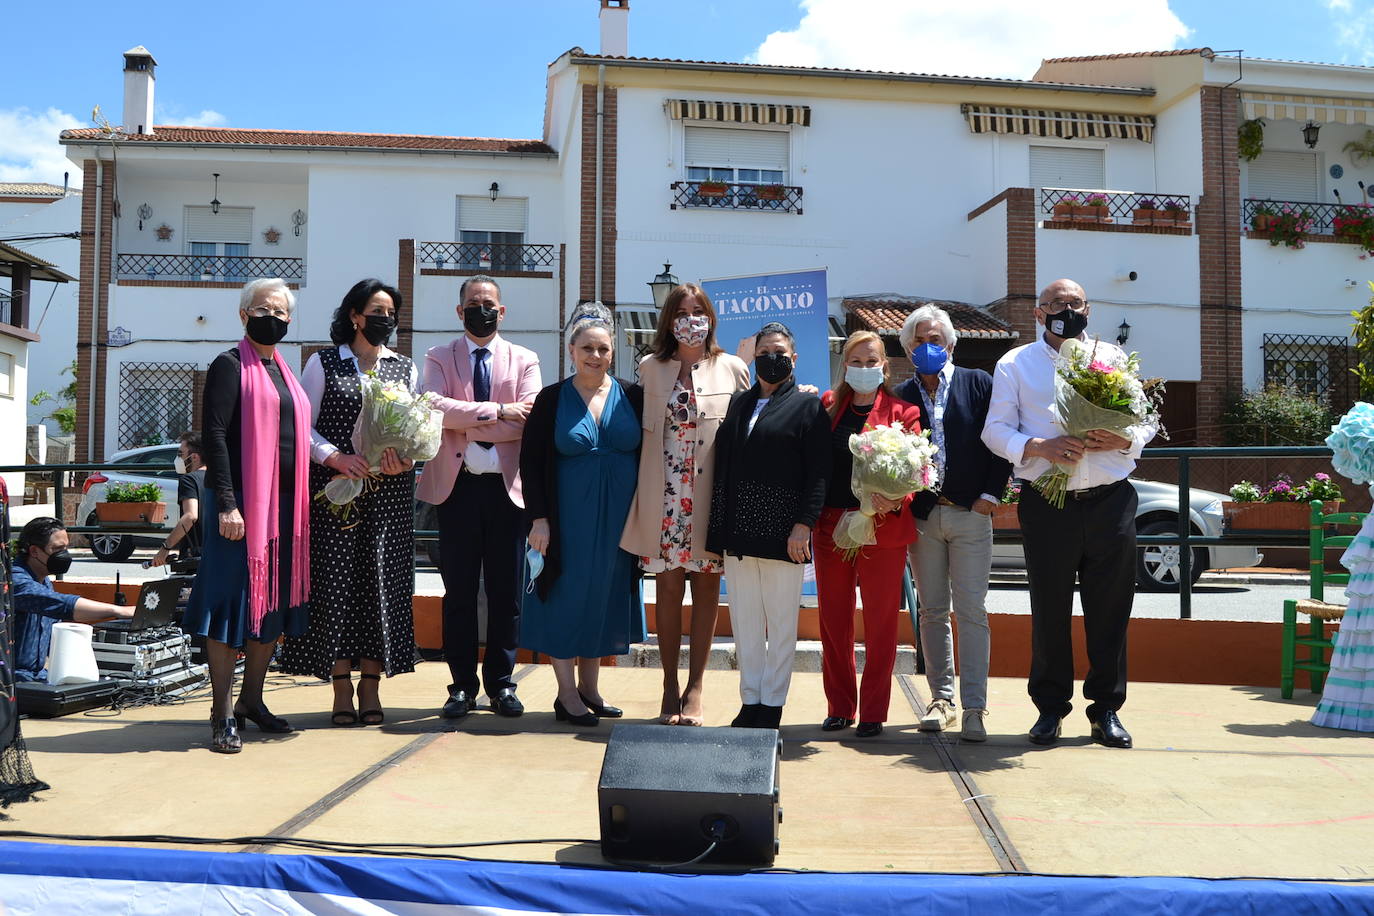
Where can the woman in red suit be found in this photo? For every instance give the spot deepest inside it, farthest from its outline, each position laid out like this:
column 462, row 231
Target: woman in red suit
column 861, row 401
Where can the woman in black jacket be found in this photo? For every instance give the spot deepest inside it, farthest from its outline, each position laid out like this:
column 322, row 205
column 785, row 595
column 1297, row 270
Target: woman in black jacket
column 772, row 461
column 579, row 462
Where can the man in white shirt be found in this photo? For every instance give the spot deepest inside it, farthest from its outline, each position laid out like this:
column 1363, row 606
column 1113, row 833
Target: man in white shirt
column 1092, row 538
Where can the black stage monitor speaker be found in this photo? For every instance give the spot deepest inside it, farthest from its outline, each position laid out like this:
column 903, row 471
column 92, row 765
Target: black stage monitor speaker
column 666, row 793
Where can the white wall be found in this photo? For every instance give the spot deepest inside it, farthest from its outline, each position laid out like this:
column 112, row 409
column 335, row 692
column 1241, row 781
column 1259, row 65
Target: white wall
column 1177, row 149
column 531, row 316
column 13, row 413
column 987, row 238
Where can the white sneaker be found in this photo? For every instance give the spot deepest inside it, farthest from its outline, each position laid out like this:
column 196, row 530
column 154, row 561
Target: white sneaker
column 973, row 729
column 939, row 716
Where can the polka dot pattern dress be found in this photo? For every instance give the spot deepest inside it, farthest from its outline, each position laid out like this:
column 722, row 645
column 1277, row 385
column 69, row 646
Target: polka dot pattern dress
column 361, row 574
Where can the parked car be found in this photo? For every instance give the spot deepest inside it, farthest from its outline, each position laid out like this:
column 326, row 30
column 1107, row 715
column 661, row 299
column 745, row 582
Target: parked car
column 1157, row 565
column 113, row 547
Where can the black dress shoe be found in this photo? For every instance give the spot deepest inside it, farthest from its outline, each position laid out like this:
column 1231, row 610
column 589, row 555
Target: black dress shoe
column 768, row 716
column 507, row 704
column 261, row 717
column 1108, row 731
column 457, row 705
column 601, row 709
column 868, row 730
column 1046, row 729
column 748, row 715
column 560, row 712
column 835, row 723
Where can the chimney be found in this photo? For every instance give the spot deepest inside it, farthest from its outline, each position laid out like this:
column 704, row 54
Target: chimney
column 615, row 28
column 138, row 90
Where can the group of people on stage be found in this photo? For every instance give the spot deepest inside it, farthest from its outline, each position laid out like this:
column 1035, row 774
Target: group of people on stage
column 556, row 499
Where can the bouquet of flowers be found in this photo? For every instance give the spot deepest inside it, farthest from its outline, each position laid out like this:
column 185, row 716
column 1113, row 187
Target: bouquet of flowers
column 888, row 461
column 391, row 417
column 1097, row 388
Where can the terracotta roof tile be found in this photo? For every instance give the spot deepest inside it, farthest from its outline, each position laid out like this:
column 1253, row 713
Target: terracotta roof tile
column 1182, row 52
column 30, row 189
column 236, row 136
column 885, row 312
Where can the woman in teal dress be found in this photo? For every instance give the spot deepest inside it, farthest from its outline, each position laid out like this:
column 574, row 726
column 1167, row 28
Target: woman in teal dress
column 579, row 463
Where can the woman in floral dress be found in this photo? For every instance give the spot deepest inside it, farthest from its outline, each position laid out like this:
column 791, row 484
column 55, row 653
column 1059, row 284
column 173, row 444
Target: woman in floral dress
column 688, row 381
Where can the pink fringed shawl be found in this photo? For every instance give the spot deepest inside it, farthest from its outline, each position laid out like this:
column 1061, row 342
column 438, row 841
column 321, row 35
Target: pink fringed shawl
column 259, row 408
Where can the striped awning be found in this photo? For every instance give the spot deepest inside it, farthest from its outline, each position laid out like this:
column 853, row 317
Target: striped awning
column 1047, row 122
column 739, row 112
column 637, row 321
column 1276, row 107
column 836, row 330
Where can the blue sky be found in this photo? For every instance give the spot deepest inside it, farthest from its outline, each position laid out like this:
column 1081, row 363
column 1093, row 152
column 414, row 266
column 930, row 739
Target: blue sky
column 477, row 68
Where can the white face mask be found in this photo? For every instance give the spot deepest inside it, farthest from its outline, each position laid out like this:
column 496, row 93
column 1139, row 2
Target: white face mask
column 180, row 465
column 864, row 379
column 691, row 330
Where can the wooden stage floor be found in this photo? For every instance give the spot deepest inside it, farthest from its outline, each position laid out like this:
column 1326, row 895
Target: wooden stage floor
column 1223, row 781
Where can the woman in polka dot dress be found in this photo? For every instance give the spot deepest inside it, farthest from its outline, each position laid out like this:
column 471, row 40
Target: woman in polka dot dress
column 361, row 569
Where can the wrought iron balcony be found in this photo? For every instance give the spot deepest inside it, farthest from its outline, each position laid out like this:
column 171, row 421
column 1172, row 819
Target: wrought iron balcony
column 770, row 198
column 1132, row 208
column 6, row 308
column 495, row 256
column 1340, row 220
column 182, row 268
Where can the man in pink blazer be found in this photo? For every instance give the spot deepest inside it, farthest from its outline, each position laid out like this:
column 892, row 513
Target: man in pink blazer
column 486, row 386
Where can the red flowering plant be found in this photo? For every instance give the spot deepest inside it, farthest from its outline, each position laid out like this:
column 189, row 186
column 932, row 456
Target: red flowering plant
column 1356, row 223
column 1290, row 228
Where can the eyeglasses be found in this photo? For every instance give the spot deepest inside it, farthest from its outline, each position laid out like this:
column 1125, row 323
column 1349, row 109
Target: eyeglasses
column 1058, row 305
column 263, row 311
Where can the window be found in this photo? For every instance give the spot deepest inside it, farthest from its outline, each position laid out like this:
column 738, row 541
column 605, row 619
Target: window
column 219, row 242
column 155, row 402
column 1314, row 365
column 1067, row 167
column 492, row 233
column 1284, row 176
column 736, row 155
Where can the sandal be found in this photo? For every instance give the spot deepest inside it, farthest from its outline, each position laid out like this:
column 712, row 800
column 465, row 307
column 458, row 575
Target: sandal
column 224, row 736
column 343, row 718
column 371, row 716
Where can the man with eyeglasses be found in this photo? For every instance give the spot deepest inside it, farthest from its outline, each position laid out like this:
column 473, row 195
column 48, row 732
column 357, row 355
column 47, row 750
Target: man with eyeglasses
column 1092, row 538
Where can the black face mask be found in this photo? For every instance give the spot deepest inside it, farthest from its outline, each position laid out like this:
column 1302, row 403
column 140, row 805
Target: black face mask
column 377, row 328
column 59, row 562
column 480, row 322
column 1066, row 323
column 267, row 330
column 773, row 367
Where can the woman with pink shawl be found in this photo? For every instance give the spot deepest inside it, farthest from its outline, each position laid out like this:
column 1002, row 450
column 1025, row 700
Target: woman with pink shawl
column 254, row 579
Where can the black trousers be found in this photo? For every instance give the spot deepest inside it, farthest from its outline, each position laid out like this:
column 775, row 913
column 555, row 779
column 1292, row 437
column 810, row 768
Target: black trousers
column 481, row 541
column 1094, row 540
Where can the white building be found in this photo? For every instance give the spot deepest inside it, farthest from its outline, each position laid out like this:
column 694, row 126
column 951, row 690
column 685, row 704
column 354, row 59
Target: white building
column 905, row 186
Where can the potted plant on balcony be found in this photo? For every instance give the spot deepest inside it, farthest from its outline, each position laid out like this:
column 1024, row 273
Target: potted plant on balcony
column 132, row 502
column 1006, row 514
column 1263, row 218
column 1290, row 228
column 1280, row 506
column 1356, row 224
column 1093, row 210
column 1065, row 207
column 712, row 189
column 1145, row 212
column 770, row 192
column 1175, row 213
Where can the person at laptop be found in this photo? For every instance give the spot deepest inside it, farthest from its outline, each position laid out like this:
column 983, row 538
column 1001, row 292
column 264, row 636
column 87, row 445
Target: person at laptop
column 190, row 486
column 37, row 605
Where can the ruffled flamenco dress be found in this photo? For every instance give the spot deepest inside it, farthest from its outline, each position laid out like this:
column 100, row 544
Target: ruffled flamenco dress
column 1348, row 698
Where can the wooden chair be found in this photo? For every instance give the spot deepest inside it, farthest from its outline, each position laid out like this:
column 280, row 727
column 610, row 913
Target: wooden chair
column 1320, row 612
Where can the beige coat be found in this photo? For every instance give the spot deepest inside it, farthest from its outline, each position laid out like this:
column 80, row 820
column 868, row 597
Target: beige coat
column 715, row 380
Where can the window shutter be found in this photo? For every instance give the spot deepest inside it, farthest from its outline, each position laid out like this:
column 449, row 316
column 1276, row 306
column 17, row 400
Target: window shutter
column 1284, row 176
column 482, row 214
column 1067, row 167
column 230, row 224
column 722, row 146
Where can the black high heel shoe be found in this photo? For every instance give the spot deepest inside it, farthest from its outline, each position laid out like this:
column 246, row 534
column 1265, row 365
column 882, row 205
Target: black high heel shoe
column 601, row 709
column 224, row 736
column 560, row 713
column 370, row 716
column 264, row 720
column 343, row 718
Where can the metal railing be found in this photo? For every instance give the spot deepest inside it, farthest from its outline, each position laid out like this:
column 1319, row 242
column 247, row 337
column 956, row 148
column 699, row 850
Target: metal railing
column 1117, row 206
column 503, row 256
column 6, row 308
column 225, row 268
column 1323, row 219
column 770, row 198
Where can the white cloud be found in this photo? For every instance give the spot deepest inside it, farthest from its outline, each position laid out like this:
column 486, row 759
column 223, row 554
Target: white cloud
column 207, row 118
column 29, row 150
column 1353, row 33
column 1005, row 38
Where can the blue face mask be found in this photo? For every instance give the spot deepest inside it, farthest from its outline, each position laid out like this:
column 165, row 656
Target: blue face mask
column 929, row 358
column 535, row 561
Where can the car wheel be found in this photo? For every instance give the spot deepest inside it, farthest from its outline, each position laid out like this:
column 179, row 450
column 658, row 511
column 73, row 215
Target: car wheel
column 109, row 548
column 1157, row 567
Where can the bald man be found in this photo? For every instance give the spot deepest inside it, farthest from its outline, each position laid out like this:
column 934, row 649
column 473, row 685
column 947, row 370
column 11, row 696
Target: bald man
column 1091, row 539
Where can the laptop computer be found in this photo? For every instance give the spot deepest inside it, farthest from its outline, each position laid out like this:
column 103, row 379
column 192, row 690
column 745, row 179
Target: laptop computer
column 157, row 601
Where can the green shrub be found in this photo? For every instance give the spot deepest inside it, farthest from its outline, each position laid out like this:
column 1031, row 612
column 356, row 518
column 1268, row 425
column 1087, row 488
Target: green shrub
column 1276, row 415
column 133, row 493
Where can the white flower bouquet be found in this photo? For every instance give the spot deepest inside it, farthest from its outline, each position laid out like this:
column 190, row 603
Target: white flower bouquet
column 392, row 416
column 890, row 462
